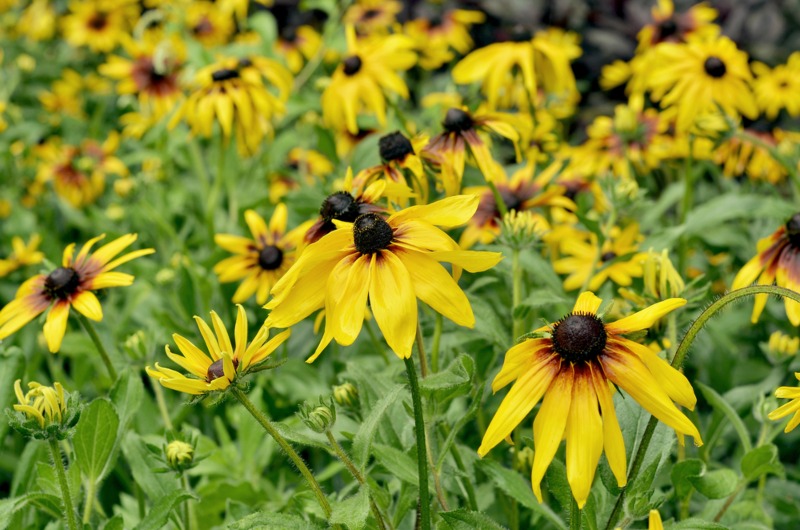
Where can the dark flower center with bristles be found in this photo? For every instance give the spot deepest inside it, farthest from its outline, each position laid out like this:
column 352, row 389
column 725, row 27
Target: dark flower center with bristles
column 793, row 230
column 341, row 206
column 98, row 21
column 579, row 337
column 245, row 62
column 371, row 233
column 510, row 199
column 352, row 65
column 667, row 28
column 456, row 120
column 608, row 256
column 395, row 146
column 224, row 74
column 62, row 282
column 715, row 67
column 289, row 33
column 270, row 258
column 217, row 369
column 369, row 14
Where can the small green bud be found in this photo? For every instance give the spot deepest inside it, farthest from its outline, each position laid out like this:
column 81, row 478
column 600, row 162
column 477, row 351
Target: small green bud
column 345, row 395
column 179, row 454
column 319, row 417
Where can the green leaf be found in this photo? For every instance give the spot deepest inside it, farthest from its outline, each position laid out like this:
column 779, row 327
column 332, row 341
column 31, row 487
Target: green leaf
column 95, row 437
column 761, row 461
column 697, row 524
column 719, row 404
column 683, row 472
column 264, row 24
column 115, row 523
column 397, row 462
column 716, row 484
column 7, row 509
column 141, row 464
column 158, row 515
column 11, row 368
column 452, row 381
column 283, row 521
column 366, row 432
column 127, row 394
column 353, row 511
column 538, row 298
column 466, row 520
column 515, row 486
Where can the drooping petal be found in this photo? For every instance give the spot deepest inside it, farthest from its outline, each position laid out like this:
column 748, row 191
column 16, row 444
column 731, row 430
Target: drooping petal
column 56, row 325
column 394, row 306
column 644, row 318
column 613, row 443
column 584, row 437
column 549, row 426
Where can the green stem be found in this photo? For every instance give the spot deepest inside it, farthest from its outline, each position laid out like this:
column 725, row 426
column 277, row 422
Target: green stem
column 89, row 327
column 686, row 206
column 422, row 461
column 189, row 513
column 516, row 295
column 69, row 510
column 677, row 361
column 437, row 338
column 162, row 407
column 498, row 199
column 293, row 456
column 423, row 360
column 730, row 499
column 340, row 452
column 574, row 516
column 87, row 507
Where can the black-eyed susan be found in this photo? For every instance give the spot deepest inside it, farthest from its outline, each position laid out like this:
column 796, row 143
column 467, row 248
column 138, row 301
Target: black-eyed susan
column 369, row 17
column 589, row 264
column 70, row 285
column 236, row 94
column 777, row 260
column 793, row 407
column 669, row 26
column 261, row 261
column 38, row 21
column 151, row 73
column 99, row 24
column 297, row 44
column 696, row 76
column 461, row 131
column 222, row 361
column 368, row 71
column 570, row 366
column 778, row 88
column 390, row 262
column 439, row 36
column 209, row 23
column 750, row 157
column 65, row 96
column 401, row 164
column 22, row 254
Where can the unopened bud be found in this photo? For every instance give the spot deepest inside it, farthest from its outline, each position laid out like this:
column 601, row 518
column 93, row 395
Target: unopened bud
column 319, row 417
column 345, row 395
column 180, row 455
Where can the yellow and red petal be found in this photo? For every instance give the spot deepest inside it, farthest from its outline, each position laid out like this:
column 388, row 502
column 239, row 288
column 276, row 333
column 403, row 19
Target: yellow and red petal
column 520, row 358
column 613, row 443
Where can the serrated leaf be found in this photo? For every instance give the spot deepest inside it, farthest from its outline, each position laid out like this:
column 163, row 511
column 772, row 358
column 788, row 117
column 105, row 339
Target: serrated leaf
column 514, row 485
column 283, row 521
column 719, row 404
column 716, row 484
column 95, row 436
column 467, row 520
column 397, row 462
column 352, row 511
column 366, row 432
column 7, row 509
column 760, row 461
column 115, row 523
column 154, row 486
column 451, row 381
column 681, row 474
column 156, row 518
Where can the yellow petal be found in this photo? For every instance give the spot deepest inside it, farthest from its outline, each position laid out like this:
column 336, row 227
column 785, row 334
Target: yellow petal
column 644, row 318
column 257, row 225
column 56, row 325
column 549, row 426
column 526, row 355
column 348, row 286
column 240, row 332
column 394, row 306
column 587, row 303
column 87, row 304
column 584, row 437
column 447, row 213
column 613, row 443
column 223, row 339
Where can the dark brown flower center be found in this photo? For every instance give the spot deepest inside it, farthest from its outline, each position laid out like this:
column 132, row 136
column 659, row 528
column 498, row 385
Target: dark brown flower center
column 245, row 62
column 352, row 65
column 793, row 230
column 394, row 146
column 217, row 369
column 715, row 67
column 62, row 282
column 667, row 29
column 608, row 256
column 224, row 74
column 270, row 258
column 341, row 206
column 456, row 120
column 579, row 337
column 98, row 21
column 371, row 233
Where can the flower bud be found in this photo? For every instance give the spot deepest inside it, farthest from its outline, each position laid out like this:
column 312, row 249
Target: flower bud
column 782, row 346
column 320, row 417
column 346, row 395
column 44, row 412
column 180, row 455
column 661, row 280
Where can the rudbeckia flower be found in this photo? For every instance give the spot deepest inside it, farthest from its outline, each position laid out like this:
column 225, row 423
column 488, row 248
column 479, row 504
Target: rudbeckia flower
column 261, row 261
column 449, row 148
column 390, row 262
column 99, row 24
column 222, row 362
column 571, row 368
column 401, row 165
column 439, row 35
column 744, row 157
column 698, row 75
column 777, row 260
column 70, row 285
column 297, row 44
column 793, row 407
column 22, row 254
column 372, row 16
column 669, row 26
column 778, row 88
column 360, row 82
column 209, row 23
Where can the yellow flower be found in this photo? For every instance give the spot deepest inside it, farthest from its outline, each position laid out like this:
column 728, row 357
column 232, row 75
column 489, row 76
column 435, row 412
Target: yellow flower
column 222, row 362
column 438, row 36
column 572, row 365
column 777, row 260
column 778, row 88
column 45, row 404
column 372, row 16
column 298, row 44
column 390, row 262
column 740, row 156
column 99, row 24
column 782, row 345
column 793, row 407
column 209, row 23
column 38, row 21
column 65, row 95
column 696, row 76
column 235, row 93
column 261, row 261
column 361, row 80
column 70, row 285
column 461, row 130
column 21, row 255
column 668, row 26
column 401, row 165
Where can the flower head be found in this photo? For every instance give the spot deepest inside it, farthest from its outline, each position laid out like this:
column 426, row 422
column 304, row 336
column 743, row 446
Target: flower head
column 99, row 24
column 45, row 411
column 390, row 261
column 793, row 407
column 70, row 285
column 570, row 365
column 22, row 254
column 222, row 362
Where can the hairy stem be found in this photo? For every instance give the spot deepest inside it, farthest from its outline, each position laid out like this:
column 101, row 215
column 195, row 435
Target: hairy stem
column 89, row 327
column 422, row 461
column 61, row 473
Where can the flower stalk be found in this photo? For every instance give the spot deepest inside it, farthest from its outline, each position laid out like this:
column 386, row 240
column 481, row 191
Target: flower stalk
column 89, row 327
column 69, row 510
column 422, row 462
